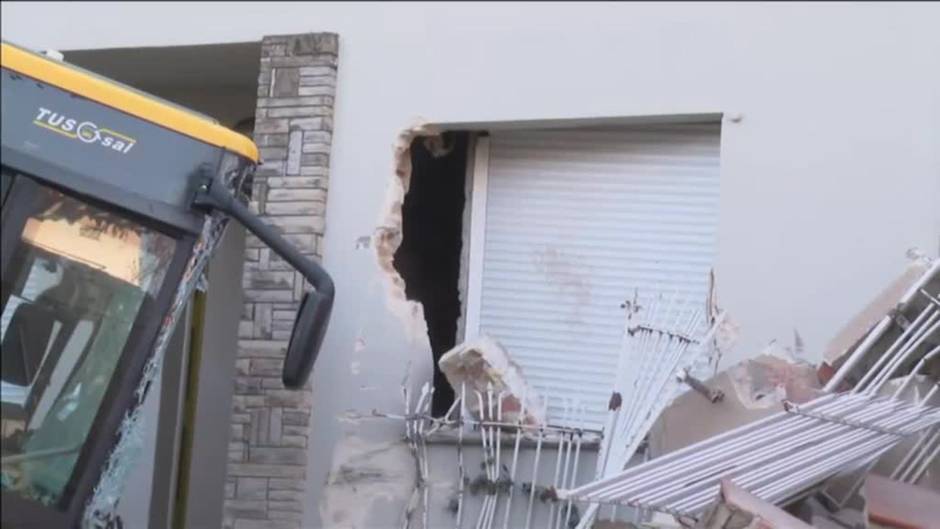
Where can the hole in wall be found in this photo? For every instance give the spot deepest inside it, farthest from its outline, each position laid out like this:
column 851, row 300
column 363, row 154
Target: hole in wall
column 428, row 258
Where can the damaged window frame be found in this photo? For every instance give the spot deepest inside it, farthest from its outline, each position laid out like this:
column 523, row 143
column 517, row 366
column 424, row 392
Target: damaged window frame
column 473, row 222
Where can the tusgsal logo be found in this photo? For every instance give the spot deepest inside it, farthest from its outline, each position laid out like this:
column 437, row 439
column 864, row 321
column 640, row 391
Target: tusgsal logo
column 84, row 131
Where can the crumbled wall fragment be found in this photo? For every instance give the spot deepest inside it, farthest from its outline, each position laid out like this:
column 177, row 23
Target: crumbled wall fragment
column 769, row 379
column 728, row 332
column 483, row 364
column 740, row 509
column 753, row 389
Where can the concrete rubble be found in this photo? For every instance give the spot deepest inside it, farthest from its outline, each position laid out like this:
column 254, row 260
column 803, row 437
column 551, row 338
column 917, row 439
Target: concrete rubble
column 752, row 389
column 786, row 432
column 483, row 364
column 739, row 509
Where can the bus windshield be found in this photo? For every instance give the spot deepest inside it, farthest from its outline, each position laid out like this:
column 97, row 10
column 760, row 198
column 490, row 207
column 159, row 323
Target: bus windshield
column 73, row 286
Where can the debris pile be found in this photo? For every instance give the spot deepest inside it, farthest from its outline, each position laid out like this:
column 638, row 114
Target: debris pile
column 752, row 389
column 661, row 349
column 772, row 442
column 816, row 454
column 778, row 458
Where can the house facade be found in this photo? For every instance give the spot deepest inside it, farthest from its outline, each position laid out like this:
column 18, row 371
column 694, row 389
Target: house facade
column 520, row 171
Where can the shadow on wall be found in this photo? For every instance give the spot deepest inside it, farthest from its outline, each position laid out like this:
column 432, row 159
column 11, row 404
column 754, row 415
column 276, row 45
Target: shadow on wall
column 218, row 80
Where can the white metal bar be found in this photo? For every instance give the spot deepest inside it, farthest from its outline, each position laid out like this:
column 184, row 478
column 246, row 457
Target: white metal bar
column 780, row 472
column 914, row 372
column 572, row 480
column 706, row 448
column 515, row 461
column 662, row 494
column 859, row 353
column 558, row 461
column 842, row 444
column 909, row 458
column 484, row 440
column 896, row 345
column 919, row 455
column 919, row 473
column 535, row 475
column 884, row 375
column 747, row 448
column 425, row 461
column 461, row 472
column 497, row 467
column 564, row 478
column 760, row 465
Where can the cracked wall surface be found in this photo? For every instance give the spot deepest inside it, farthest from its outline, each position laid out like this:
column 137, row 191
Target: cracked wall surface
column 362, row 474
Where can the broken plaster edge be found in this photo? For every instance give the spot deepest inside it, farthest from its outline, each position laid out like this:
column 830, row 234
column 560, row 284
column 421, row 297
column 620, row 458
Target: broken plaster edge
column 387, row 236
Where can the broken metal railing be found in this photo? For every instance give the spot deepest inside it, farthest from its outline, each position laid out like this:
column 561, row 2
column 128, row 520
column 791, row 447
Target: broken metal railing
column 915, row 463
column 858, row 355
column 787, row 455
column 778, row 459
column 774, row 458
column 915, row 334
column 664, row 340
column 502, row 467
column 926, row 448
column 924, row 326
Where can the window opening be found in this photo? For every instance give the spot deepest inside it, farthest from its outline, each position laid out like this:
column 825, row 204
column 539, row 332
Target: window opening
column 429, row 256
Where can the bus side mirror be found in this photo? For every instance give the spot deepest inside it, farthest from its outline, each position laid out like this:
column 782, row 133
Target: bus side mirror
column 313, row 315
column 310, row 325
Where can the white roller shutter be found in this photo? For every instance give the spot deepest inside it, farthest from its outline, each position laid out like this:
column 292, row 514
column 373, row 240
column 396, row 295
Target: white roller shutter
column 572, row 222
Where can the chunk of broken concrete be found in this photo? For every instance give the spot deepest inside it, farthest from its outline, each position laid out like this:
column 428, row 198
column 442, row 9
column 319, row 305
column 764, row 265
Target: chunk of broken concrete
column 769, row 379
column 753, row 389
column 483, row 364
column 739, row 509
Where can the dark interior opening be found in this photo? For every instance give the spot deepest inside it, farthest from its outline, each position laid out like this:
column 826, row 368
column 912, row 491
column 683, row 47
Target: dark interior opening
column 429, row 256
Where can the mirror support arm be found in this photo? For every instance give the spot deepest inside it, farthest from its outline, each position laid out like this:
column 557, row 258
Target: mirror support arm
column 213, row 195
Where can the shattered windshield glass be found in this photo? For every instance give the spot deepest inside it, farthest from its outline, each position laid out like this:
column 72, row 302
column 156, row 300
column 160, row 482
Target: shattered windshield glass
column 76, row 282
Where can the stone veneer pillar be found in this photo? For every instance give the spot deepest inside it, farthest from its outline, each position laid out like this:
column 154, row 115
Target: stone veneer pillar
column 267, row 460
